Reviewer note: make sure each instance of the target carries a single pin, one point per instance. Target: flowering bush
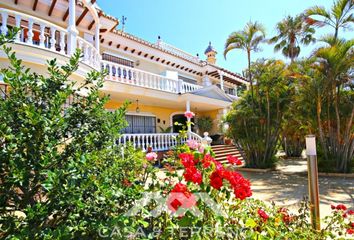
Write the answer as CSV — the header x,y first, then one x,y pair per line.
x,y
234,215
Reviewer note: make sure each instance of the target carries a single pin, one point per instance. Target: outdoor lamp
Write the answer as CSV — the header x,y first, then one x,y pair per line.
x,y
313,181
310,145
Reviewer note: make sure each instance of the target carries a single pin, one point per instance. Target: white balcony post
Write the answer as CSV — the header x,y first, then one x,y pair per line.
x,y
221,80
30,31
42,35
3,28
97,37
52,38
62,42
189,127
18,25
72,31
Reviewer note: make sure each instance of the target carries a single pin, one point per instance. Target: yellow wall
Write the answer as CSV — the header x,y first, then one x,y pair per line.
x,y
161,113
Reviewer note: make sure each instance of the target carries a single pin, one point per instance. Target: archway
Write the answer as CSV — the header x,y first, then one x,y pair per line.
x,y
180,118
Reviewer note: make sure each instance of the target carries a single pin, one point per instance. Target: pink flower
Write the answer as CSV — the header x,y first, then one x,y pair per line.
x,y
189,114
263,215
151,156
192,144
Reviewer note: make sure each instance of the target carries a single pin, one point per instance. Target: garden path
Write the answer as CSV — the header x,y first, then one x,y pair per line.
x,y
287,186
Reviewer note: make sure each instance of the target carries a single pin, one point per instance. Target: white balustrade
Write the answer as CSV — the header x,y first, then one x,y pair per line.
x,y
34,31
194,136
178,52
157,141
46,35
133,76
90,54
189,87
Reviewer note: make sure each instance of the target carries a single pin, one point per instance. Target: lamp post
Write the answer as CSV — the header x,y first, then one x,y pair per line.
x,y
313,181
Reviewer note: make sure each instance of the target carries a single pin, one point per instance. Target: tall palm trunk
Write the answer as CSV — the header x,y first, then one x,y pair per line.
x,y
249,71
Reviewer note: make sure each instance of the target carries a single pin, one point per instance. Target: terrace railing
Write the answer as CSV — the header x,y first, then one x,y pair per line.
x,y
157,141
40,33
133,76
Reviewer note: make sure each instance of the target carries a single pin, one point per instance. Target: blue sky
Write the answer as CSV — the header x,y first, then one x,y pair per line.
x,y
191,24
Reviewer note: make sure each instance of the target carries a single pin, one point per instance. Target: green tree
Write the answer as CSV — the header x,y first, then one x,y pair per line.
x,y
256,129
62,175
291,32
248,40
335,64
339,16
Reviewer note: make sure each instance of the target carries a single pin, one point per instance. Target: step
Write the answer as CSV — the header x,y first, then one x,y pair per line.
x,y
222,146
225,154
230,151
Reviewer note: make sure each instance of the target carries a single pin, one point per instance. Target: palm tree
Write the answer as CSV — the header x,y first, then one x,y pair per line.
x,y
339,16
248,40
291,33
335,62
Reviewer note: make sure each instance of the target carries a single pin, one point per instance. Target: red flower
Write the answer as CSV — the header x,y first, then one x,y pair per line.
x,y
341,207
193,175
187,159
351,224
234,160
216,180
263,214
180,196
207,159
344,215
350,212
333,207
350,231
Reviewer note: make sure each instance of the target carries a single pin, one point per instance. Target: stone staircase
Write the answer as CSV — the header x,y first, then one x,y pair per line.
x,y
222,151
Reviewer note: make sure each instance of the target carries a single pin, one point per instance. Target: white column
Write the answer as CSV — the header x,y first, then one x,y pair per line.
x,y
221,80
42,35
206,81
97,37
72,31
30,32
188,108
3,28
18,25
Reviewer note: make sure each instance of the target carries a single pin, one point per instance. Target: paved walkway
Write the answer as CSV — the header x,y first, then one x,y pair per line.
x,y
288,186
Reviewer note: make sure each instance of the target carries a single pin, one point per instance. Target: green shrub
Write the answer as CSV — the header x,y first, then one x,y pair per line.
x,y
204,124
62,175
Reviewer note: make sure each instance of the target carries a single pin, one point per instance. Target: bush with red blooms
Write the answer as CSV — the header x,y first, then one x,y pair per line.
x,y
191,171
199,166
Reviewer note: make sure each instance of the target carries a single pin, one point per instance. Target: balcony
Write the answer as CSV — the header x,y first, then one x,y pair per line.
x,y
38,33
136,77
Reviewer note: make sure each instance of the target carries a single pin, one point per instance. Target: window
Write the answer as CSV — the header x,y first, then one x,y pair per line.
x,y
140,124
118,60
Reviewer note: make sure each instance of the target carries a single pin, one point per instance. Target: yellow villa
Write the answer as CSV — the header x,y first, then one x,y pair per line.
x,y
160,80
